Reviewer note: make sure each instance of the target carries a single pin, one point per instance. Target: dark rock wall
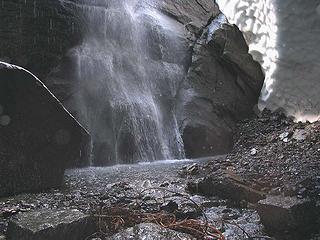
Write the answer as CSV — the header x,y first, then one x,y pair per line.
x,y
35,34
38,137
221,80
222,83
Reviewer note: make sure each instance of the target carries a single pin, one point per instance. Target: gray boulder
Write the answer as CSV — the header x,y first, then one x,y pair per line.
x,y
282,215
51,225
222,86
38,137
228,187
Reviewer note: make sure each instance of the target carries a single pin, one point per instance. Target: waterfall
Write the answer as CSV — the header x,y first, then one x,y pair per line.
x,y
127,80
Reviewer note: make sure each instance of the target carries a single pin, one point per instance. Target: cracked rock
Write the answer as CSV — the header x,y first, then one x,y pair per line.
x,y
51,225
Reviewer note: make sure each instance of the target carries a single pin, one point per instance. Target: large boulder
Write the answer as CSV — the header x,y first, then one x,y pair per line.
x,y
38,137
222,86
226,186
282,215
51,225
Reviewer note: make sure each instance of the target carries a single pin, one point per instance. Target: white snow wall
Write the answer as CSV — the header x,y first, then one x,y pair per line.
x,y
284,36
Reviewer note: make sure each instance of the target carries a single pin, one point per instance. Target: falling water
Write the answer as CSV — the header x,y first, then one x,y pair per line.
x,y
127,82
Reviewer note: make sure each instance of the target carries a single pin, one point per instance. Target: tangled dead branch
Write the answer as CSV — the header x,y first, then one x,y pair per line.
x,y
112,219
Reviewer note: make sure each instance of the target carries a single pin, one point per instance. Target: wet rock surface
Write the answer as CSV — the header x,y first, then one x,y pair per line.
x,y
150,231
38,137
280,214
37,34
222,85
227,187
87,189
51,225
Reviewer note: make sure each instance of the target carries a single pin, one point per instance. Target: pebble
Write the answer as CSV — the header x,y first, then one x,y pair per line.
x,y
253,151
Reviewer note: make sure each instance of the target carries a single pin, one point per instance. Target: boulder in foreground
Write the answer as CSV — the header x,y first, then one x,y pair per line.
x,y
38,137
51,225
281,215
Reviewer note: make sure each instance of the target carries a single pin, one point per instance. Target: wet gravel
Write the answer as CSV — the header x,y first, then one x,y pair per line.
x,y
85,189
278,155
275,156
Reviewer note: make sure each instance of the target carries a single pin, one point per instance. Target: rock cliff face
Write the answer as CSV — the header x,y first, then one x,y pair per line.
x,y
204,61
38,137
221,87
222,83
36,34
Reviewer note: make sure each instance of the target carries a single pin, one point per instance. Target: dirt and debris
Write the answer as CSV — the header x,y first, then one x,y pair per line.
x,y
272,156
287,155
